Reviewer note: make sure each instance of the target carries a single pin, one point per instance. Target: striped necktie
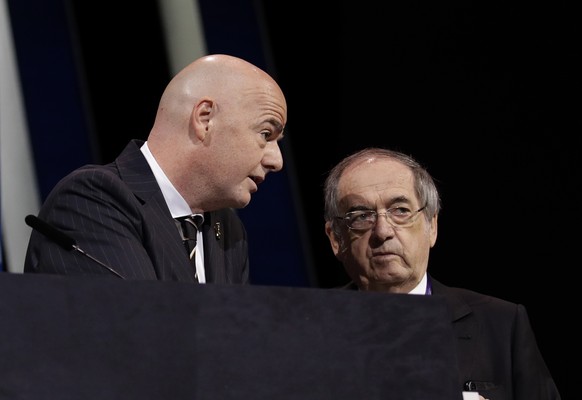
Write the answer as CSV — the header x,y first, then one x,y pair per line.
x,y
190,225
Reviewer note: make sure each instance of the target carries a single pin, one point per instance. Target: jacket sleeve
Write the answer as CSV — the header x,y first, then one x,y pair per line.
x,y
532,378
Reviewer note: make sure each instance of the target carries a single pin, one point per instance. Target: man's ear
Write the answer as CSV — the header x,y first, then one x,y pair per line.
x,y
201,116
333,240
433,230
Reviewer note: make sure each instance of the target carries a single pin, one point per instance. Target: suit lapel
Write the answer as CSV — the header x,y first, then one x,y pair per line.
x,y
465,328
135,171
137,174
214,252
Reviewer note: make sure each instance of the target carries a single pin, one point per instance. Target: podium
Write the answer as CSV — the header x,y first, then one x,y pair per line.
x,y
85,338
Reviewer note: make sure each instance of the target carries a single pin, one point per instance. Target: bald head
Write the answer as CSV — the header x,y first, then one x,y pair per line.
x,y
218,71
217,115
220,77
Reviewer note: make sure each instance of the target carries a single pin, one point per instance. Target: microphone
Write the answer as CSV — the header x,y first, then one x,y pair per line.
x,y
62,239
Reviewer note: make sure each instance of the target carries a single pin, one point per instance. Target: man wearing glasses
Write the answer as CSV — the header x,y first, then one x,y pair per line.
x,y
381,212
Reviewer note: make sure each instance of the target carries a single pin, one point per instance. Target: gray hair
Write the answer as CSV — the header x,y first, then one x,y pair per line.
x,y
424,185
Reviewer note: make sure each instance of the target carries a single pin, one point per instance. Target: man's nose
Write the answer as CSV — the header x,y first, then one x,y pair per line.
x,y
273,159
384,227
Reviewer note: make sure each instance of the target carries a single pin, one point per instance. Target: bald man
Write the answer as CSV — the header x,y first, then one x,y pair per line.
x,y
214,140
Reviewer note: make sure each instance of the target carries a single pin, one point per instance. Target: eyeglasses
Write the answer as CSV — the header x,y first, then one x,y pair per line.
x,y
362,220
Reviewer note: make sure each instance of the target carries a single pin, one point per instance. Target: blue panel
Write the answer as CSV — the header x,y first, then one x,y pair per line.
x,y
50,87
275,244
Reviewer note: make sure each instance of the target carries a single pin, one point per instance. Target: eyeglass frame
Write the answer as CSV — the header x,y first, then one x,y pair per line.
x,y
390,211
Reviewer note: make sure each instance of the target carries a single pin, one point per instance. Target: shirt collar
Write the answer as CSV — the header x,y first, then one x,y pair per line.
x,y
421,287
176,203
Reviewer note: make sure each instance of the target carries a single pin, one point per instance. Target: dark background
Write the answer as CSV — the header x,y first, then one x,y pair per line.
x,y
485,95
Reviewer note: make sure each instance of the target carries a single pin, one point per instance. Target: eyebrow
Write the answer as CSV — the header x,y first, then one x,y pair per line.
x,y
400,199
359,207
278,126
397,199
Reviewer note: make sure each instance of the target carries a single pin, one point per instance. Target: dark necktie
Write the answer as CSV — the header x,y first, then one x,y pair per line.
x,y
190,226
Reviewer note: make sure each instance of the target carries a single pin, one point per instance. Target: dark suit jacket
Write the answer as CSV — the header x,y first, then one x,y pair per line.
x,y
496,348
118,215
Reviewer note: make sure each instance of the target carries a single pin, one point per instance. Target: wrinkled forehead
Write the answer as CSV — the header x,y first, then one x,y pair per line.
x,y
377,178
262,96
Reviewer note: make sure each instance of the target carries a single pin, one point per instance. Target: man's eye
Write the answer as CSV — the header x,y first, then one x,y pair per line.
x,y
400,211
363,216
267,134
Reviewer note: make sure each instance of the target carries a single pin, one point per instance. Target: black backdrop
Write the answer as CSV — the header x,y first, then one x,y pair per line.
x,y
486,96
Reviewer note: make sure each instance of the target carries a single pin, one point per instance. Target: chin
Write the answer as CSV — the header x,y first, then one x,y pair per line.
x,y
390,276
242,202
